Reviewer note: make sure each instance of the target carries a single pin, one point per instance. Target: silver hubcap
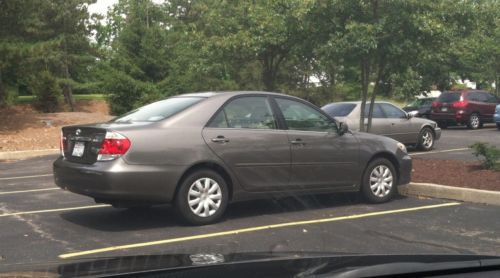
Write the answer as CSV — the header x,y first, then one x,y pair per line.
x,y
427,139
474,120
381,180
204,197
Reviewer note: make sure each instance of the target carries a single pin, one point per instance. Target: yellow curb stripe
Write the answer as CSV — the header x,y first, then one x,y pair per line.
x,y
250,229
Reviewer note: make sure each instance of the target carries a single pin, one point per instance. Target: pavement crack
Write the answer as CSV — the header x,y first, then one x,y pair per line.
x,y
398,238
37,229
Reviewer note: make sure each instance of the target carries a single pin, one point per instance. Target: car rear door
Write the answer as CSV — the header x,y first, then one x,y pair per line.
x,y
245,135
401,128
490,103
320,156
380,124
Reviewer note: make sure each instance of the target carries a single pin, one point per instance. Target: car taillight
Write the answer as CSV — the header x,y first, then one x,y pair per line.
x,y
114,145
435,104
460,104
62,143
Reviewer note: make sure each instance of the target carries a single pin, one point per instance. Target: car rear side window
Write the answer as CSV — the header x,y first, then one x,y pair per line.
x,y
245,112
159,110
339,109
392,111
449,97
377,111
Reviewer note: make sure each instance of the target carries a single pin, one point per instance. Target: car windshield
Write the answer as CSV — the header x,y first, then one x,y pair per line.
x,y
159,110
449,97
339,109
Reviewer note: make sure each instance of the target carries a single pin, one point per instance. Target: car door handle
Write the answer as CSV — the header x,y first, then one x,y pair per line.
x,y
220,139
297,141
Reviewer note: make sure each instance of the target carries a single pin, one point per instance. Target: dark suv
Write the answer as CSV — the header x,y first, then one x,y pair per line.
x,y
467,107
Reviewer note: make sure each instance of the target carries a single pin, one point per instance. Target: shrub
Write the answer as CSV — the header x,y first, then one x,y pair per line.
x,y
47,92
490,154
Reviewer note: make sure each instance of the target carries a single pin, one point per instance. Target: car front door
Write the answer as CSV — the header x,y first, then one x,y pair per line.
x,y
401,128
320,156
245,135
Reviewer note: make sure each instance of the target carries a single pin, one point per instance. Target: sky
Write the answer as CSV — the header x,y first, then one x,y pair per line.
x,y
101,6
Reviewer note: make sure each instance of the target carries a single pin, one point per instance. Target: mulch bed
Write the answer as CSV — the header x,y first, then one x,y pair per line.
x,y
455,173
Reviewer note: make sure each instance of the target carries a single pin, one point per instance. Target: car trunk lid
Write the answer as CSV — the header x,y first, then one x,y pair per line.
x,y
81,144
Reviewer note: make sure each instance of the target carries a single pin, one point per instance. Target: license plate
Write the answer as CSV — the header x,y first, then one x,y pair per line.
x,y
78,149
444,109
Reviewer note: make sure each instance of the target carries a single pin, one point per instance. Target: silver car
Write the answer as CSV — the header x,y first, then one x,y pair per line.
x,y
388,120
201,151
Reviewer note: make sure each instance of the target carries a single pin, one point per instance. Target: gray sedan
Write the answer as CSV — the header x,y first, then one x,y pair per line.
x,y
388,120
201,151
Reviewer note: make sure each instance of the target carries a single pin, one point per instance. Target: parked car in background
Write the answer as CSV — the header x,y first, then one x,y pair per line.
x,y
420,107
466,107
388,120
496,117
201,151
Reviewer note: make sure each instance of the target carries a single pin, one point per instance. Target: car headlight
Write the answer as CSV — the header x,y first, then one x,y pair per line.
x,y
402,147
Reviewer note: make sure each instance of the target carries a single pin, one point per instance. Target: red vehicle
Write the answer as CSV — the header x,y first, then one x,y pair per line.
x,y
466,107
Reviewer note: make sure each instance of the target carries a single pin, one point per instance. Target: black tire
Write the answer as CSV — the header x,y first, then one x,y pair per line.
x,y
366,190
443,125
426,139
181,203
474,121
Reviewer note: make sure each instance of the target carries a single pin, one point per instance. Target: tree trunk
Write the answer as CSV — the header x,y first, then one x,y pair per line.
x,y
381,66
3,93
365,73
67,90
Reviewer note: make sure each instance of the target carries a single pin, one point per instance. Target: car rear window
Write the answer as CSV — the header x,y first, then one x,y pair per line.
x,y
159,110
449,97
338,109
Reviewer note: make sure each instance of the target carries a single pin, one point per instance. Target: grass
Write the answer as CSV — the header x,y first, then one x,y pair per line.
x,y
31,99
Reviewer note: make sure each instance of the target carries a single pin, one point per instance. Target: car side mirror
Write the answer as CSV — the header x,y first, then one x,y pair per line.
x,y
411,114
343,128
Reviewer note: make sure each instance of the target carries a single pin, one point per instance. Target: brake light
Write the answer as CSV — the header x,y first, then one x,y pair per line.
x,y
460,104
62,143
435,104
113,146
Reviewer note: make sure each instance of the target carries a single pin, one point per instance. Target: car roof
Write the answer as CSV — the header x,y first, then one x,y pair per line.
x,y
232,93
359,102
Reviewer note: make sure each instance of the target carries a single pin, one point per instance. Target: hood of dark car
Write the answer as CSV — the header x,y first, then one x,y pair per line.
x,y
285,263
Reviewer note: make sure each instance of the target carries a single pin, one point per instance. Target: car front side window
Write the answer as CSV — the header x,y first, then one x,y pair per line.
x,y
245,112
299,116
392,111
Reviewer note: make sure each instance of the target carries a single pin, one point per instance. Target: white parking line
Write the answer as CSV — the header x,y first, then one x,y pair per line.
x,y
26,191
25,177
443,151
52,210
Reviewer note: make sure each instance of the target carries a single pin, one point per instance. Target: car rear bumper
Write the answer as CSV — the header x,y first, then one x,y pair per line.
x,y
116,181
405,167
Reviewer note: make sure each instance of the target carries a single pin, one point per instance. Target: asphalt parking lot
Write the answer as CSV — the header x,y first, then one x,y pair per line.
x,y
455,141
40,223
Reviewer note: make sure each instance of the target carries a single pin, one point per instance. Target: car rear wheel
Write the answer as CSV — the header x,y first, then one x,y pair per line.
x,y
425,139
202,197
379,181
474,121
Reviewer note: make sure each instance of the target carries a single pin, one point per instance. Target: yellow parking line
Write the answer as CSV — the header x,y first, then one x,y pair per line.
x,y
51,210
250,229
31,190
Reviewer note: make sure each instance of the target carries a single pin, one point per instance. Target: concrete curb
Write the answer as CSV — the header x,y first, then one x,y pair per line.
x,y
451,192
26,154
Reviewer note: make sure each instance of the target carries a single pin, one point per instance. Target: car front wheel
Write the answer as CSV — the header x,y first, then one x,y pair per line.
x,y
425,139
202,197
379,181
